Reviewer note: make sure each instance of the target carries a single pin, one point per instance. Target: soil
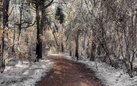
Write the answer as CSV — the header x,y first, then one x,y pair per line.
x,y
69,73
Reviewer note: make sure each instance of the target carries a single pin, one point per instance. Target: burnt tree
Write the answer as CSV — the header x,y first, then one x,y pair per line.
x,y
5,25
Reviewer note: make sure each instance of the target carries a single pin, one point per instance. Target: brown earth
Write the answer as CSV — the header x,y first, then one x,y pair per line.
x,y
69,73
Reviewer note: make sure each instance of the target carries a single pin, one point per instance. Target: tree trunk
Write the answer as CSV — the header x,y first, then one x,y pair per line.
x,y
13,41
93,48
20,19
5,24
77,45
84,45
13,34
5,13
70,52
62,47
39,42
1,29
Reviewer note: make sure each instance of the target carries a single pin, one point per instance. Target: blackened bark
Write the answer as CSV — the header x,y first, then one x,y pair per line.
x,y
5,13
40,26
5,24
70,53
13,41
62,47
93,48
20,19
39,43
77,45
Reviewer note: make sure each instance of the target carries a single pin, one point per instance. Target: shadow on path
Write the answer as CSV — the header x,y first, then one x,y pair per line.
x,y
69,73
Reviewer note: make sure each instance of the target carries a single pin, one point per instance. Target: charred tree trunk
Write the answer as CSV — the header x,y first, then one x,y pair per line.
x,y
88,48
62,47
20,24
1,29
5,13
5,24
40,26
39,42
13,41
93,47
70,52
13,34
77,45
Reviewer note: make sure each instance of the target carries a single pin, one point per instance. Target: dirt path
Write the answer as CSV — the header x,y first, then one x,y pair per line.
x,y
69,73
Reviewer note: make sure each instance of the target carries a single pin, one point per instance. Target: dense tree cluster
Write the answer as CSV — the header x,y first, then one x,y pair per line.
x,y
91,29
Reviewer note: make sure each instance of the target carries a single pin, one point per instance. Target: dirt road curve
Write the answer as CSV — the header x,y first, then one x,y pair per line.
x,y
69,73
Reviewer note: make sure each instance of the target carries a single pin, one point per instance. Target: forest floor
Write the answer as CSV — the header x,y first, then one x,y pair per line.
x,y
24,74
60,70
69,73
109,75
